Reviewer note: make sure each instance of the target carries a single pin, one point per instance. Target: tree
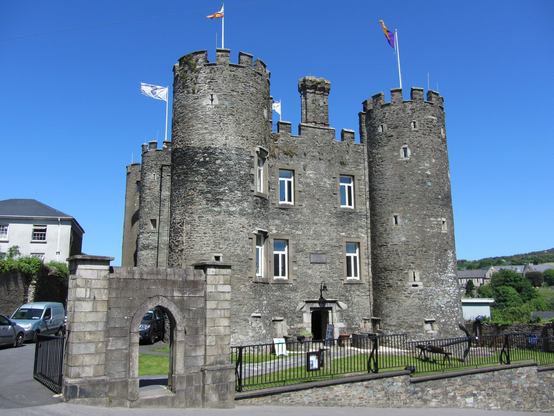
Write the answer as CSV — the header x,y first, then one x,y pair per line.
x,y
506,296
536,278
514,280
13,253
470,287
549,277
485,291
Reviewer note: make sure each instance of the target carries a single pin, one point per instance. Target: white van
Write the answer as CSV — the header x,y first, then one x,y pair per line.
x,y
45,318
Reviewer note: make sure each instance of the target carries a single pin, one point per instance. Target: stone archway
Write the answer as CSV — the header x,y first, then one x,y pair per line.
x,y
176,325
105,308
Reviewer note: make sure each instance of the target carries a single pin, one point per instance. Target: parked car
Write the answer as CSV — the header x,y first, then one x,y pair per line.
x,y
152,326
46,318
10,332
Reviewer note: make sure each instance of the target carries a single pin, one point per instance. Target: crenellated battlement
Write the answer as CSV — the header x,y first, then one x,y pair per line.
x,y
195,60
416,96
153,145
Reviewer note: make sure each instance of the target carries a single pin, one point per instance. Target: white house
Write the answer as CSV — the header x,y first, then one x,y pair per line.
x,y
39,230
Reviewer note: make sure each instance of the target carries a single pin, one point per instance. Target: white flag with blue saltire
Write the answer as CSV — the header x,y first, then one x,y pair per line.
x,y
277,107
154,91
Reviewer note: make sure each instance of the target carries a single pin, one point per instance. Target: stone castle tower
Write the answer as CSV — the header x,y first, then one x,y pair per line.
x,y
317,231
412,226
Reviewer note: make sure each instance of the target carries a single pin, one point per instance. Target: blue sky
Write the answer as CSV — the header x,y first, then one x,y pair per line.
x,y
72,116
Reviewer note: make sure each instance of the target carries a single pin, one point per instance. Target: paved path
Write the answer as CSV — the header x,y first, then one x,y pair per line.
x,y
65,409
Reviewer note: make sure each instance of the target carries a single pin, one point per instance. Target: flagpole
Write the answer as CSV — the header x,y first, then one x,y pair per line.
x,y
223,32
398,56
166,111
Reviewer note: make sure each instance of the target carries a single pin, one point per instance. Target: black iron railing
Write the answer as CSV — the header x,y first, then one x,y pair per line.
x,y
48,368
267,365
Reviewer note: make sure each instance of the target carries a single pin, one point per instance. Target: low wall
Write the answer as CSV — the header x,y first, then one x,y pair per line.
x,y
509,388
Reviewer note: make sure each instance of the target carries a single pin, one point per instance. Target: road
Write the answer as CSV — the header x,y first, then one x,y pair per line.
x,y
18,388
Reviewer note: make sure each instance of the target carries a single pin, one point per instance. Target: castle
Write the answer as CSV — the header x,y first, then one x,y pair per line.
x,y
317,231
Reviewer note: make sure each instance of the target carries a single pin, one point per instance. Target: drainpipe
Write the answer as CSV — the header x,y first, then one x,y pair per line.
x,y
58,244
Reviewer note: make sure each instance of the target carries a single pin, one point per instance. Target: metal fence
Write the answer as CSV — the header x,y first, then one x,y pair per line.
x,y
48,368
268,365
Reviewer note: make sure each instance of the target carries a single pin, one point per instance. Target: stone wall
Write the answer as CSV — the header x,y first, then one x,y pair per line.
x,y
105,309
14,289
512,389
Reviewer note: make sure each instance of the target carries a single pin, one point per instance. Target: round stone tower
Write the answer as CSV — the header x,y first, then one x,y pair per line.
x,y
221,115
415,289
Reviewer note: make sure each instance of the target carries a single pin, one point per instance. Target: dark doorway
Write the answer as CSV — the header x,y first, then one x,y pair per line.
x,y
320,319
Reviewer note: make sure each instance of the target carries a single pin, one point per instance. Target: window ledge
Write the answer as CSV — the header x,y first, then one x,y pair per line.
x,y
286,206
261,195
38,241
281,281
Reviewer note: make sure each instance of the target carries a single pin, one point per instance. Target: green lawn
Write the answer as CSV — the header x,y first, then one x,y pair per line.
x,y
153,365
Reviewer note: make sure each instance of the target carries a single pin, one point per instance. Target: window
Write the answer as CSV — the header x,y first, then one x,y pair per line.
x,y
4,231
405,152
260,256
347,192
280,259
395,219
353,261
286,186
153,224
39,256
39,233
260,174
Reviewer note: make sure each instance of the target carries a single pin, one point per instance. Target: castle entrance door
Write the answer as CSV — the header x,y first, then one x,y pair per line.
x,y
320,320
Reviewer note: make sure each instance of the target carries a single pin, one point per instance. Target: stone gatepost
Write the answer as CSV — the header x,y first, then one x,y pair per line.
x,y
87,310
217,373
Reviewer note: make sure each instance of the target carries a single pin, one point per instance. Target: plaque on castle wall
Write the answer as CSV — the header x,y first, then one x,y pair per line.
x,y
318,258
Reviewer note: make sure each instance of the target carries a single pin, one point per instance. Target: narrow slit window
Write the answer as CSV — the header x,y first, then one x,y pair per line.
x,y
395,219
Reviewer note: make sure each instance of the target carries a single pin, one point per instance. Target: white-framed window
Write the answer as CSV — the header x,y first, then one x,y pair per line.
x,y
353,261
280,259
4,231
39,256
39,233
286,187
346,191
260,255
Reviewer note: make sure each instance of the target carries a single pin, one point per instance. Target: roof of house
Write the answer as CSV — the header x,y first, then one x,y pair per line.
x,y
541,267
516,268
544,315
469,274
31,208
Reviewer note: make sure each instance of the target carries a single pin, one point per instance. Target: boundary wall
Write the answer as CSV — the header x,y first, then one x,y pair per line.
x,y
105,308
516,387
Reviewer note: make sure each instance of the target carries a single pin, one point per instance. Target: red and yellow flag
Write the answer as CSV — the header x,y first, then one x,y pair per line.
x,y
218,14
